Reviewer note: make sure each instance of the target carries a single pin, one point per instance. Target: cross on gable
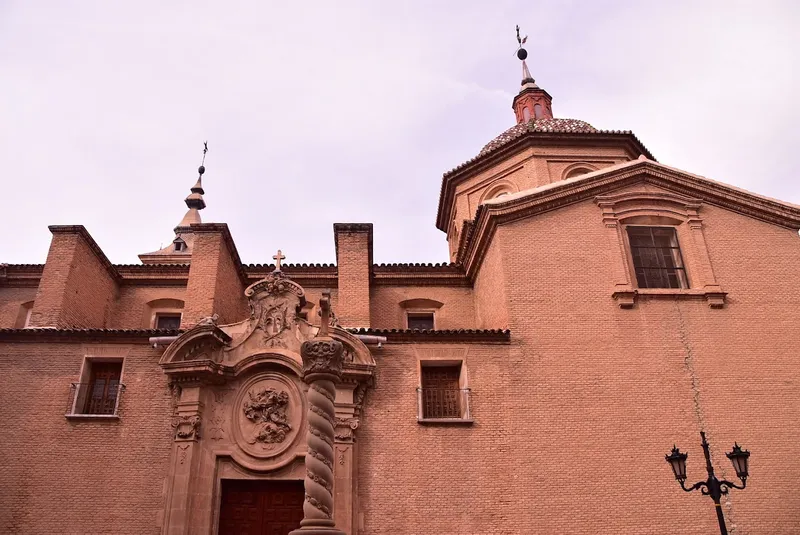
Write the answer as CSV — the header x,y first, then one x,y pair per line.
x,y
277,258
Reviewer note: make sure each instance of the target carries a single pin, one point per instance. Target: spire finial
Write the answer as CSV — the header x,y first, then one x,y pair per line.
x,y
202,168
522,54
195,200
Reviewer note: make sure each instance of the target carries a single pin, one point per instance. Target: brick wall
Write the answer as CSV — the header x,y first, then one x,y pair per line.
x,y
353,262
214,285
77,288
131,310
11,301
573,419
457,311
491,306
79,477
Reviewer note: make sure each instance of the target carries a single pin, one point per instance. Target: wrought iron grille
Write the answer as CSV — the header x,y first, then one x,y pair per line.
x,y
443,403
95,398
657,257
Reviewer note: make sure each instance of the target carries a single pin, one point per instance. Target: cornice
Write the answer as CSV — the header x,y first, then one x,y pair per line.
x,y
490,215
20,275
46,334
419,275
306,275
527,140
449,335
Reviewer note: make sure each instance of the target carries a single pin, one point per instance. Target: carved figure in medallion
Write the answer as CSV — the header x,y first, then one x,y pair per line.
x,y
267,409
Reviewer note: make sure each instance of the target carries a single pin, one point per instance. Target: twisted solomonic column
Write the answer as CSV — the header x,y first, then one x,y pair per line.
x,y
322,365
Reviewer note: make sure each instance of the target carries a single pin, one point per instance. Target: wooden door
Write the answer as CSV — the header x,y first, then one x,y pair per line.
x,y
260,507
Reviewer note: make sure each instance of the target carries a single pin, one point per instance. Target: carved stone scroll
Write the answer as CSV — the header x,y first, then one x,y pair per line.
x,y
187,427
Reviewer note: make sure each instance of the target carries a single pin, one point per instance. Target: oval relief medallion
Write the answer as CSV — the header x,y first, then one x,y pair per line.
x,y
268,415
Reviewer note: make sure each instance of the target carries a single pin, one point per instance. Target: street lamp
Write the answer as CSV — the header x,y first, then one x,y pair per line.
x,y
712,486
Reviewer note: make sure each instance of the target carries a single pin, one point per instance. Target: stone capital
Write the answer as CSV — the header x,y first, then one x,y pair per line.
x,y
322,356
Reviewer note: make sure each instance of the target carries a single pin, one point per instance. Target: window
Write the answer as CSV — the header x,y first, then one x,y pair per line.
x,y
98,393
657,258
422,321
168,320
441,392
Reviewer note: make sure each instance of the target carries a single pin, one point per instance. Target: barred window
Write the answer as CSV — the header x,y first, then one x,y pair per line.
x,y
441,394
103,388
657,258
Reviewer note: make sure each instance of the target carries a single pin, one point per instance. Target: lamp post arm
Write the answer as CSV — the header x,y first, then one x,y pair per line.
x,y
727,485
703,485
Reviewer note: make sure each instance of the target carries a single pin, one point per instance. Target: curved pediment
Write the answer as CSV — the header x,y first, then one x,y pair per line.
x,y
269,338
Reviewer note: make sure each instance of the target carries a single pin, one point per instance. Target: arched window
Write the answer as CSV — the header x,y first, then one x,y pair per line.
x,y
526,114
577,171
537,111
163,314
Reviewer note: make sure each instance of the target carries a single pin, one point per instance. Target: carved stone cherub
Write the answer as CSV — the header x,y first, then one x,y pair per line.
x,y
209,320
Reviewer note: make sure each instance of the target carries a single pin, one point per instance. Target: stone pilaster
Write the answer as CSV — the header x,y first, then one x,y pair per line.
x,y
322,366
185,459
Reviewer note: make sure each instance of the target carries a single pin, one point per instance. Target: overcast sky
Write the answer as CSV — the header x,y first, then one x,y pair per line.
x,y
323,112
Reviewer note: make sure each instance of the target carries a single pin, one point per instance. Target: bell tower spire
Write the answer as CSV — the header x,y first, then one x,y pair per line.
x,y
195,200
532,102
180,250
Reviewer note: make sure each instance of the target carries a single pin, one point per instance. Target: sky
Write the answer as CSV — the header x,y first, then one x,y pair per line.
x,y
324,112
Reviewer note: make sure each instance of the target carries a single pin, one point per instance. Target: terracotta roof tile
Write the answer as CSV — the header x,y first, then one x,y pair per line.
x,y
416,335
559,126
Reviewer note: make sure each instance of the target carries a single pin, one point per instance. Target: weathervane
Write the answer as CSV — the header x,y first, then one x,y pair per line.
x,y
521,52
202,168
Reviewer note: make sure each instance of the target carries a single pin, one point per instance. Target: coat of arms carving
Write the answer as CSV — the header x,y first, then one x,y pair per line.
x,y
266,408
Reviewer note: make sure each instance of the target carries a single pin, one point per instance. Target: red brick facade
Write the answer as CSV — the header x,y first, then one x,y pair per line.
x,y
574,379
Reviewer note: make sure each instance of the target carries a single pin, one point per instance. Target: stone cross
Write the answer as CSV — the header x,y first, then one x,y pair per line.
x,y
277,258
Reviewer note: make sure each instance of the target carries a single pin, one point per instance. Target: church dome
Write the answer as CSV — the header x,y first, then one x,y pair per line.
x,y
546,125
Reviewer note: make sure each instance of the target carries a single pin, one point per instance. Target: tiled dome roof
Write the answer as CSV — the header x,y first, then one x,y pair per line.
x,y
571,126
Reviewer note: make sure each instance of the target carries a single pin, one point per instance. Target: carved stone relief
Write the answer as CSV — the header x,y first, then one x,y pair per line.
x,y
267,415
216,421
345,428
266,407
187,427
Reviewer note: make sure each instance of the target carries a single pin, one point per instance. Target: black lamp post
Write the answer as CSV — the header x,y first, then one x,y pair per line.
x,y
712,486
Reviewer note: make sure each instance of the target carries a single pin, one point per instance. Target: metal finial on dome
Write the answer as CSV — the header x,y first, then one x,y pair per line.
x,y
522,54
202,168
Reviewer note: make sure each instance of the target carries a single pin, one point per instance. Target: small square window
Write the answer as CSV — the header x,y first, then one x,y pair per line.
x,y
443,396
99,393
421,321
657,260
169,321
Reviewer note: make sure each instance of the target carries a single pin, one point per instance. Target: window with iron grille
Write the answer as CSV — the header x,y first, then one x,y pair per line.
x,y
657,258
168,321
101,391
441,392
